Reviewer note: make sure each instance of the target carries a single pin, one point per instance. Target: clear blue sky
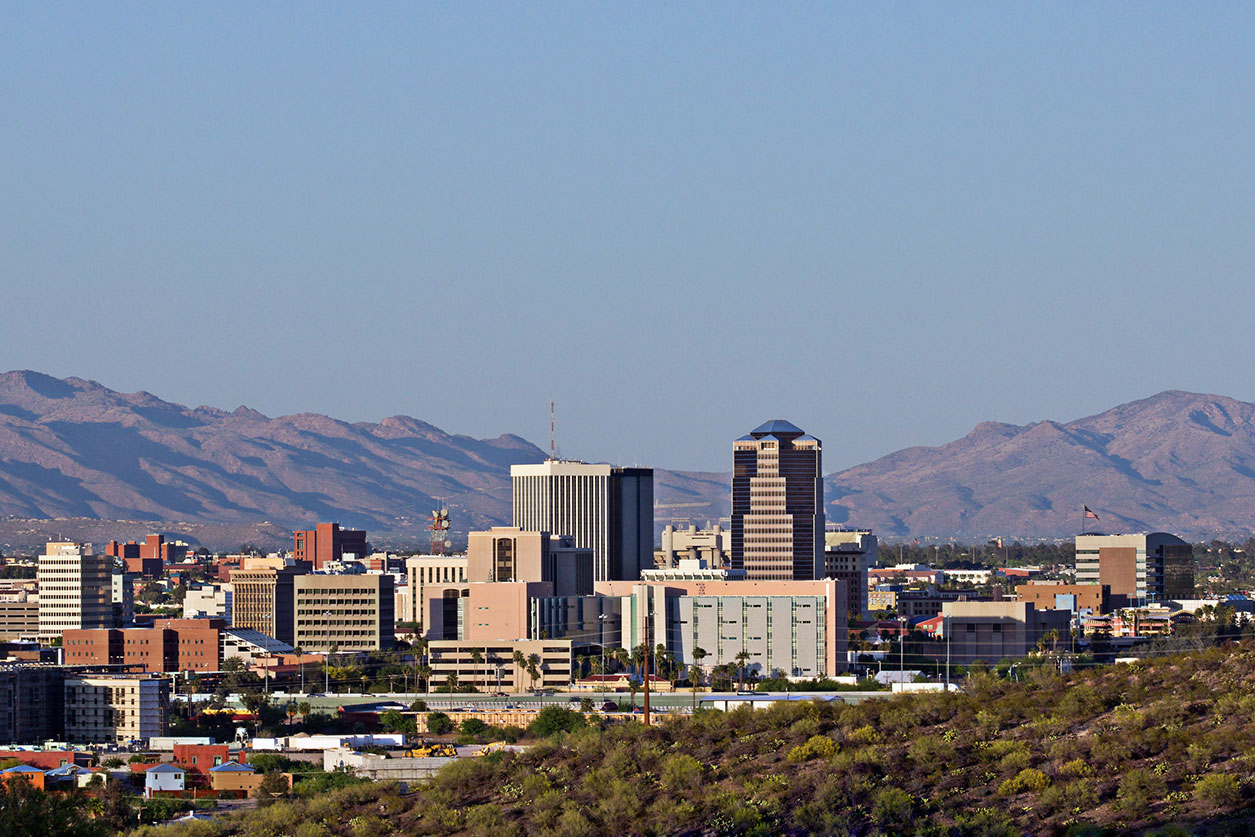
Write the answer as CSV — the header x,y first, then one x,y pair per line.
x,y
883,222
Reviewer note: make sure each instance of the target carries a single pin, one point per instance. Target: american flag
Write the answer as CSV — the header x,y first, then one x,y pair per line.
x,y
1089,514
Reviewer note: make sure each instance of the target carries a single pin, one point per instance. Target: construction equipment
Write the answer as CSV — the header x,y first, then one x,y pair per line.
x,y
490,747
431,749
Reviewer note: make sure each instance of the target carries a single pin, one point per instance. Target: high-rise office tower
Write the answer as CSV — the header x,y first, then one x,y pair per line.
x,y
75,589
606,509
778,504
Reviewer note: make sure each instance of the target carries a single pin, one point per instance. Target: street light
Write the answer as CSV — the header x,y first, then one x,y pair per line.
x,y
601,637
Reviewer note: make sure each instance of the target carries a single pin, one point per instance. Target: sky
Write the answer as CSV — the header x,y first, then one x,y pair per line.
x,y
883,222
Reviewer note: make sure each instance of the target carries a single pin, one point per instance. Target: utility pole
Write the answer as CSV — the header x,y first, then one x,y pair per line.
x,y
946,630
648,653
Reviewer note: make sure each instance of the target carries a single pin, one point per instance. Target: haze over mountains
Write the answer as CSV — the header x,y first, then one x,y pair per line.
x,y
75,449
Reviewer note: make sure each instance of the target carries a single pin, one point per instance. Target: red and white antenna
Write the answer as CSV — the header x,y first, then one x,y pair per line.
x,y
553,448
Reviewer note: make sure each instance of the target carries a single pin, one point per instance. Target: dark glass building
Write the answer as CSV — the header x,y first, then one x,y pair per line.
x,y
778,504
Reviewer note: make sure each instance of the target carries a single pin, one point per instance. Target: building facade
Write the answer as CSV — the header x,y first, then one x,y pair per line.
x,y
264,600
32,704
75,589
993,631
850,554
712,546
606,509
327,543
1139,569
496,666
424,570
115,709
344,612
778,504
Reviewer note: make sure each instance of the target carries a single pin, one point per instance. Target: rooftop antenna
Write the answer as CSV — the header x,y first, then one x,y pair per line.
x,y
552,446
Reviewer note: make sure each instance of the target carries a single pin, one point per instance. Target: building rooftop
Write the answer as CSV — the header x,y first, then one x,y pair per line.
x,y
776,427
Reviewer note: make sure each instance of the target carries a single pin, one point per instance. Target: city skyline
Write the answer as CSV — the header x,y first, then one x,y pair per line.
x,y
360,213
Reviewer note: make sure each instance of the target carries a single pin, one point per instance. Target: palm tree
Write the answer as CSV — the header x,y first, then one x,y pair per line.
x,y
424,671
742,658
520,665
620,656
533,668
419,650
695,680
477,657
699,654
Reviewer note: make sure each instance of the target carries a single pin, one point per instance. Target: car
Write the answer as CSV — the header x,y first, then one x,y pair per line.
x,y
501,694
610,706
575,700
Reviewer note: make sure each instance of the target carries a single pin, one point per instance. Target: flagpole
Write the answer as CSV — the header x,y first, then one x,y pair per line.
x,y
1083,519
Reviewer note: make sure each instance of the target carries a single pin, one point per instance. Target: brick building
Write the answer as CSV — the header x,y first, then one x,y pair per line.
x,y
327,542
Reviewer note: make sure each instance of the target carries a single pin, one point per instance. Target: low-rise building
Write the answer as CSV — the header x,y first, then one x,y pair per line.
x,y
114,709
344,612
209,600
850,554
164,778
494,666
992,631
1078,598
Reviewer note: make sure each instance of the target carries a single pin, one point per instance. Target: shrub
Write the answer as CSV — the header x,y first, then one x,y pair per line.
x,y
893,807
473,726
1138,790
816,747
1219,789
681,772
1027,780
1078,768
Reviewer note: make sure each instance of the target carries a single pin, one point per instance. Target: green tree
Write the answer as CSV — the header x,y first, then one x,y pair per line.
x,y
272,786
555,719
439,723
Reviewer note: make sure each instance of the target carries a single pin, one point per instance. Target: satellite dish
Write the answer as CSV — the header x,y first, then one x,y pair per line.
x,y
448,543
444,512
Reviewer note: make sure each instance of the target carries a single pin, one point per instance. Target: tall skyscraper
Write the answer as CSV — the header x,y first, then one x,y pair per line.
x,y
75,589
606,509
778,504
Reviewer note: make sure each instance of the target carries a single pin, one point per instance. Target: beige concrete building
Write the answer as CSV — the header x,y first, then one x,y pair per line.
x,y
75,589
992,631
797,627
114,709
422,571
507,553
499,671
263,600
850,554
713,546
19,618
344,612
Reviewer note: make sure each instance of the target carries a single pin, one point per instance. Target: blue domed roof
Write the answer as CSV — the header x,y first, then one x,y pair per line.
x,y
779,428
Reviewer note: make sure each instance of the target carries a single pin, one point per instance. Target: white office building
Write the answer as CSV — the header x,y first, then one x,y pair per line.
x,y
606,509
75,589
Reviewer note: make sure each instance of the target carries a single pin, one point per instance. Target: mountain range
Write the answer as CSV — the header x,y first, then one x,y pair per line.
x,y
75,454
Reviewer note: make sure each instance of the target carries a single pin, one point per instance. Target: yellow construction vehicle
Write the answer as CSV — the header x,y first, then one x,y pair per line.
x,y
432,749
491,747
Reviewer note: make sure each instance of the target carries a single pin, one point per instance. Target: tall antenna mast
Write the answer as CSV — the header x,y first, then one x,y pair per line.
x,y
552,445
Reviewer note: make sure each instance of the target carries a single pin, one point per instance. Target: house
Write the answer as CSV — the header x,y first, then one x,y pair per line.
x,y
70,775
201,758
24,771
233,776
164,778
